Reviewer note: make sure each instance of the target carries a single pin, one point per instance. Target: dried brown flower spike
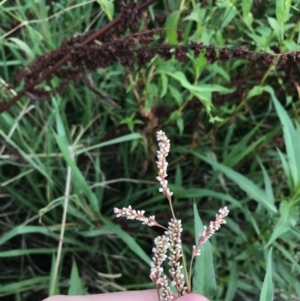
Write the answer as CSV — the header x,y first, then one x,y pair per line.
x,y
171,241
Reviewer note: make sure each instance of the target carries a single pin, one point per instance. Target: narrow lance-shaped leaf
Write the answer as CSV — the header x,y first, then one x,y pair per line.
x,y
268,183
54,279
204,281
292,143
248,186
288,219
267,292
171,27
75,281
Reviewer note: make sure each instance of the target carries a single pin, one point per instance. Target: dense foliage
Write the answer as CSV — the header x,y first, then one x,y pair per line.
x,y
216,76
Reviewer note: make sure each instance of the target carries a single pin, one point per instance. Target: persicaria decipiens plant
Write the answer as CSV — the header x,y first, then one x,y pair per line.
x,y
169,246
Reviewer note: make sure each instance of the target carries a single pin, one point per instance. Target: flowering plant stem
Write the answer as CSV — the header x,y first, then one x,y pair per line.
x,y
171,240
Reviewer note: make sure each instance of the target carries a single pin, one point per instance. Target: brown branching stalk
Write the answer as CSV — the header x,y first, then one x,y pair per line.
x,y
78,56
129,15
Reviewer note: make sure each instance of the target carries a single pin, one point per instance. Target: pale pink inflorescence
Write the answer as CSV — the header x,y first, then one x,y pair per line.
x,y
162,164
171,241
136,214
208,232
161,246
164,291
174,233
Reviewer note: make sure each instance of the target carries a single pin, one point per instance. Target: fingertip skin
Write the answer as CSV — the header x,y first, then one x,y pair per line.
x,y
147,295
192,297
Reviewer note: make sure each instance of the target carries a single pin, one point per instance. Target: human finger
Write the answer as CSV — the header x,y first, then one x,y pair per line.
x,y
147,295
192,297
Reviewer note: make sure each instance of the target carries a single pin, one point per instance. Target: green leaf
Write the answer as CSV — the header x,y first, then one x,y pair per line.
x,y
246,7
276,27
202,92
283,11
242,148
24,285
180,76
268,184
49,232
176,116
256,90
204,281
292,144
229,14
121,139
152,94
22,230
267,292
24,47
171,26
78,176
196,15
176,95
178,177
232,281
30,157
53,288
26,252
180,124
130,241
192,193
108,7
164,83
286,168
75,281
244,183
288,218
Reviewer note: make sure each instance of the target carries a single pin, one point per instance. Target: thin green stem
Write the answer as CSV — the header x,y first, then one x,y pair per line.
x,y
190,276
171,207
63,223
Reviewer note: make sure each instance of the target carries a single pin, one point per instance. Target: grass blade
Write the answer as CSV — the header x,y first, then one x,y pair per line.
x,y
75,281
268,183
204,281
244,183
292,143
267,292
288,219
130,241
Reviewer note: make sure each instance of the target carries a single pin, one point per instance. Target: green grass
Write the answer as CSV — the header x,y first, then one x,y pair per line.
x,y
245,161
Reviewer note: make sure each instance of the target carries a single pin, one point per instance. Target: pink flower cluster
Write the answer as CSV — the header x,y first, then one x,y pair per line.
x,y
164,292
171,241
161,246
162,164
208,232
174,233
136,214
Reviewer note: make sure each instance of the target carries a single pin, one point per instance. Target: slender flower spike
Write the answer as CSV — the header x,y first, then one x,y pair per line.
x,y
164,292
136,214
161,246
208,232
162,164
174,233
169,245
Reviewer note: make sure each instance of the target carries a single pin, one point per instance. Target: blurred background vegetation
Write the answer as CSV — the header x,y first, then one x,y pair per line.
x,y
215,114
